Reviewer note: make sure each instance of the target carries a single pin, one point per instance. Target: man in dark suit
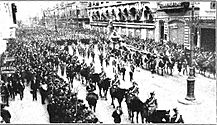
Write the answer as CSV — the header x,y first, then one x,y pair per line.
x,y
34,88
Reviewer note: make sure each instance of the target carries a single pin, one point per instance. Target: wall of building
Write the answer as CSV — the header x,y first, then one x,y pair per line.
x,y
6,21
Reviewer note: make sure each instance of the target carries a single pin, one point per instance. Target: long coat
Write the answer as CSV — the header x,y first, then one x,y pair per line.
x,y
116,116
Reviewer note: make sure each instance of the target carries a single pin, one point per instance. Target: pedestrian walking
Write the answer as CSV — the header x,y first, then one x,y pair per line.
x,y
62,67
114,65
93,56
43,91
123,70
21,88
132,68
101,59
34,88
185,65
179,66
117,114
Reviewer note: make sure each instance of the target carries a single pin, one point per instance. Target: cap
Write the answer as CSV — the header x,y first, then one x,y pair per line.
x,y
152,93
175,109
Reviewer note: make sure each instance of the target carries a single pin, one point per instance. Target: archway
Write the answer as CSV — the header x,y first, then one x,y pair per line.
x,y
133,13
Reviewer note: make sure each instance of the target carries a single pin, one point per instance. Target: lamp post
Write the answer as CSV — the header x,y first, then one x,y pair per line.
x,y
190,98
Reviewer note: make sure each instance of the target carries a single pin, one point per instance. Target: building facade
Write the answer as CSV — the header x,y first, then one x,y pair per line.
x,y
127,18
67,14
7,26
174,22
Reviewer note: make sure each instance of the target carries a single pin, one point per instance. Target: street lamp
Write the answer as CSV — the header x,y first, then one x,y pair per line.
x,y
190,98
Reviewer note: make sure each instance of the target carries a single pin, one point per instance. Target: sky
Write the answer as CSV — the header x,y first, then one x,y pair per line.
x,y
26,9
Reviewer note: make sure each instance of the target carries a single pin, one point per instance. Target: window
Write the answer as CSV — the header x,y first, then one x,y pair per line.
x,y
213,5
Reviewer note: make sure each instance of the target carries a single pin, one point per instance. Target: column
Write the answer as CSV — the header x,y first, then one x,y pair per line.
x,y
198,37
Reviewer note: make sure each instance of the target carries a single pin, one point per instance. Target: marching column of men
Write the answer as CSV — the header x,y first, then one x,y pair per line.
x,y
42,62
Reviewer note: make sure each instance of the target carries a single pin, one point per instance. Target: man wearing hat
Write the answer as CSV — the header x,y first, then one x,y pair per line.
x,y
176,118
134,90
151,103
103,74
116,81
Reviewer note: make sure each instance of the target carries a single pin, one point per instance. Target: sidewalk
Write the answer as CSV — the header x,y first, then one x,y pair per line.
x,y
27,111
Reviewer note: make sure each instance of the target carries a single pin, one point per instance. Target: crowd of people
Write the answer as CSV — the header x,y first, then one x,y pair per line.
x,y
202,60
39,53
37,59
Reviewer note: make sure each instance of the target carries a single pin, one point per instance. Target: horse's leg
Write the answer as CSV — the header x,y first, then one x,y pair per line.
x,y
100,92
94,108
157,70
129,113
137,117
171,71
132,116
113,102
162,71
105,94
119,101
142,116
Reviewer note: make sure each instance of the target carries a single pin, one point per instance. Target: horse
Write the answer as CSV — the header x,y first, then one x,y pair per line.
x,y
134,104
118,93
85,73
95,78
104,84
92,100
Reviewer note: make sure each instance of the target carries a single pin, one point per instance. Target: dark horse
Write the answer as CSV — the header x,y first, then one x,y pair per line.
x,y
134,104
95,78
85,73
104,85
118,93
92,100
